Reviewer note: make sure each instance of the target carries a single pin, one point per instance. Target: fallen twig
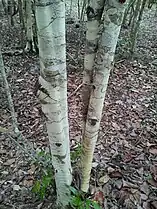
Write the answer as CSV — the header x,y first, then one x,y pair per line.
x,y
71,57
119,61
14,52
73,93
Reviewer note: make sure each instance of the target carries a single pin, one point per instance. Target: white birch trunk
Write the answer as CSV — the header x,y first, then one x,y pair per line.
x,y
113,16
50,18
94,14
29,34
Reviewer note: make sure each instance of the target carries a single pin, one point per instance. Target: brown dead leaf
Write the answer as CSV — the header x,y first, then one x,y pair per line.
x,y
128,157
129,197
115,126
32,170
118,183
28,183
116,174
99,197
153,149
110,170
153,204
145,188
153,170
152,182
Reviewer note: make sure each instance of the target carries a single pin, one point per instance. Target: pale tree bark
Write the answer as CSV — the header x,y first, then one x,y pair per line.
x,y
129,11
4,4
9,8
83,10
22,22
21,13
12,10
94,14
136,23
29,34
156,10
50,18
113,16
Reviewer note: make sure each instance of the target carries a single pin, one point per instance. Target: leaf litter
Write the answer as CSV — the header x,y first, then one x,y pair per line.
x,y
124,173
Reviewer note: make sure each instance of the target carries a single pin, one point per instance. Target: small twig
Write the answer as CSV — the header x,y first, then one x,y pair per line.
x,y
21,147
49,206
73,93
119,61
71,57
11,53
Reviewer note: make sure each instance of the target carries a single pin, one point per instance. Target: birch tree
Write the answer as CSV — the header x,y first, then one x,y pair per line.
x,y
94,15
140,5
103,62
29,33
50,18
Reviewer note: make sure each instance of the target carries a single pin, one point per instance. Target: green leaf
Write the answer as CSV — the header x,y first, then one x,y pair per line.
x,y
73,190
42,193
36,187
76,201
88,203
95,205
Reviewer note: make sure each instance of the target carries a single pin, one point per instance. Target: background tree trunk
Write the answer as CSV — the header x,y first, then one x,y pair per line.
x,y
134,30
134,26
29,34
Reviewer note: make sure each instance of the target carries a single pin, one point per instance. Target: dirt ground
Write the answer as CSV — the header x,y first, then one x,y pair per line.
x,y
125,160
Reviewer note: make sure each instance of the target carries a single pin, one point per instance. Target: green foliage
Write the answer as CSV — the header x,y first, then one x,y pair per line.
x,y
79,201
45,157
42,185
45,176
45,182
76,153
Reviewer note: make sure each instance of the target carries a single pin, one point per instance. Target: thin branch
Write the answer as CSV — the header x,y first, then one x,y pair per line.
x,y
9,98
22,148
71,57
73,93
32,152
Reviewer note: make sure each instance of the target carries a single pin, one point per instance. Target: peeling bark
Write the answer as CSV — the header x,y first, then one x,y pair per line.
x,y
113,16
50,18
94,14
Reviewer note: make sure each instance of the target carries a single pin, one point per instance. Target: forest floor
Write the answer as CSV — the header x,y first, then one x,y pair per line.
x,y
125,160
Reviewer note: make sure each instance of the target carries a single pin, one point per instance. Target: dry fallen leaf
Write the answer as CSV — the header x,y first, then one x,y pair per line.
x,y
153,204
99,197
145,188
116,174
28,183
32,170
104,179
9,161
4,172
153,170
118,183
153,150
16,187
152,182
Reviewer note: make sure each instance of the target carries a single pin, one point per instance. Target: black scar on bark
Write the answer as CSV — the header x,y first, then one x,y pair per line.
x,y
58,144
